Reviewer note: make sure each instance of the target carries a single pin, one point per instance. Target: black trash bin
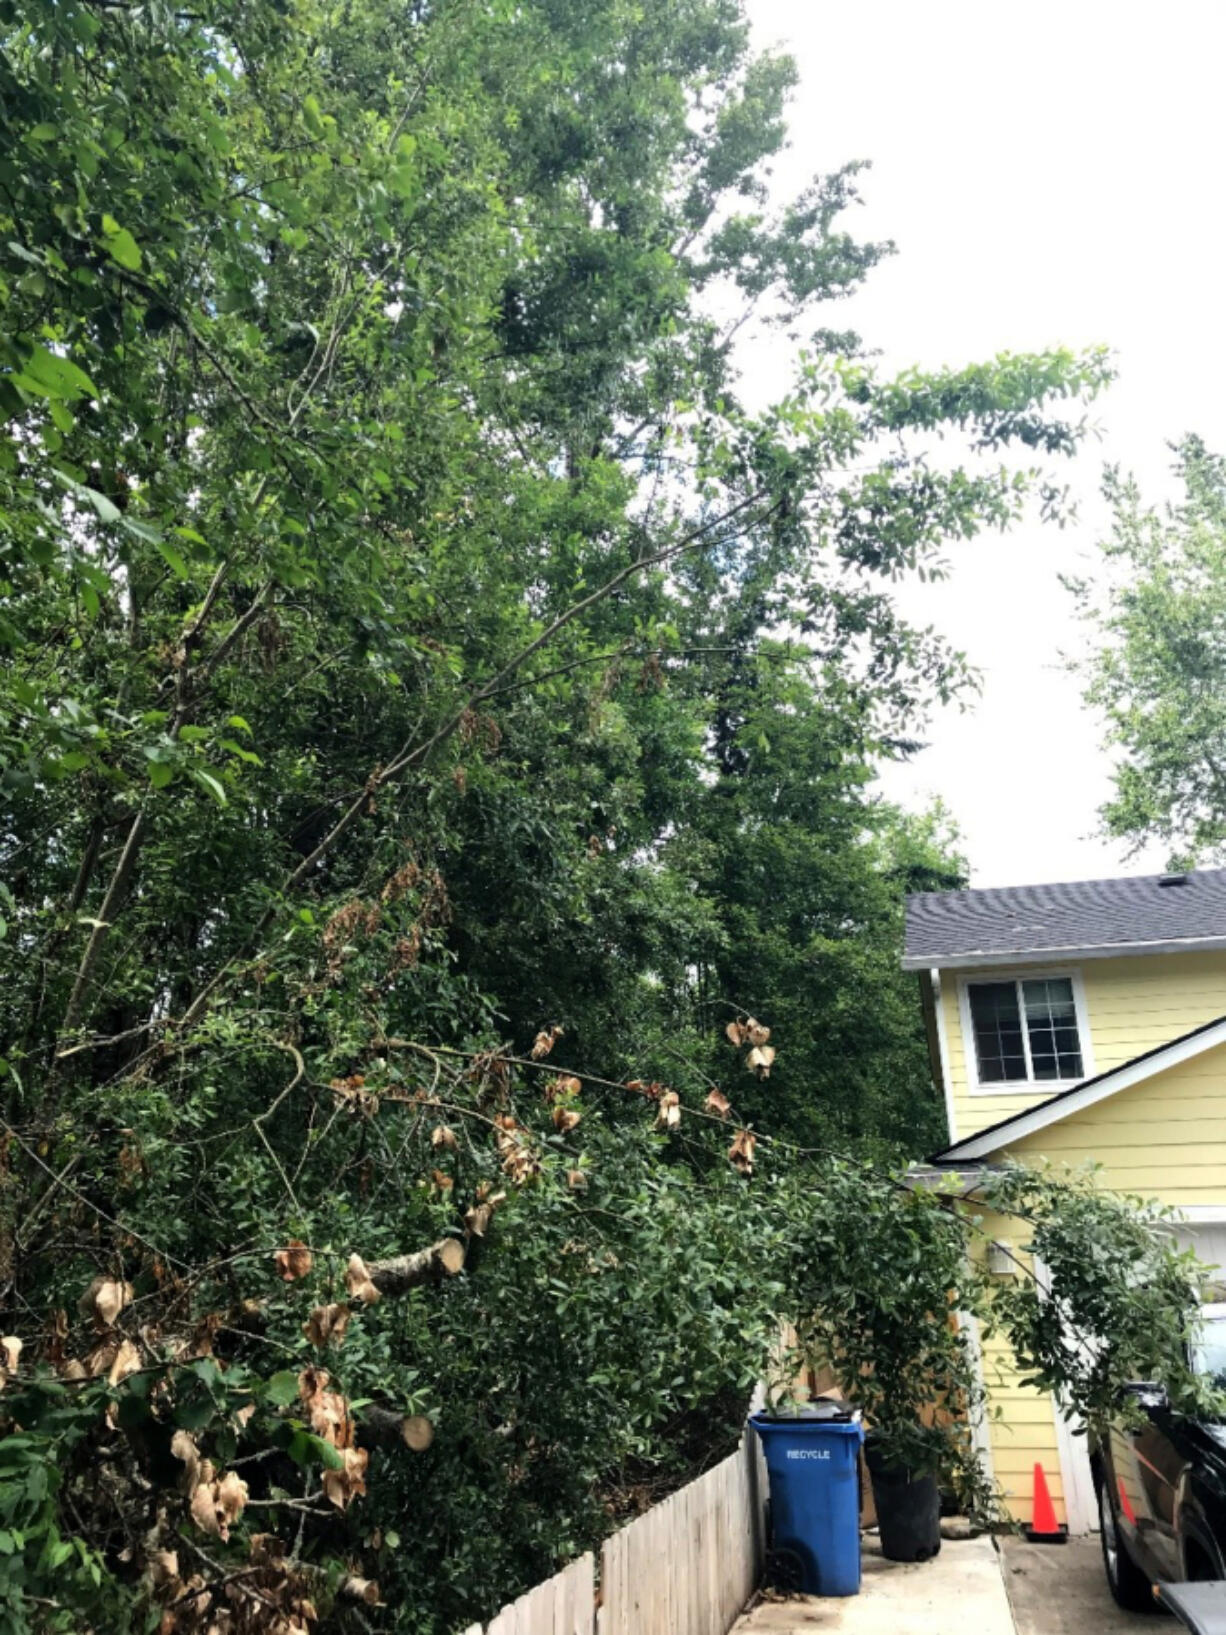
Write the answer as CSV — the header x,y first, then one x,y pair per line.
x,y
908,1505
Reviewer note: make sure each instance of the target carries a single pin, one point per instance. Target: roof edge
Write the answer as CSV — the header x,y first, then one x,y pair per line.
x,y
1027,956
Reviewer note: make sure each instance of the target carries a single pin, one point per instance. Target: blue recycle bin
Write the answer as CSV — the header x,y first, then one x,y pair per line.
x,y
813,1460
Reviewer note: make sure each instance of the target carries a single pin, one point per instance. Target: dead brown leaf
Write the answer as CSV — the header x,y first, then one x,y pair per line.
x,y
10,1357
327,1324
740,1153
341,1486
294,1261
230,1496
565,1119
125,1361
327,1410
100,1359
544,1042
518,1159
562,1089
183,1447
266,1549
200,1503
759,1060
104,1300
217,1501
669,1115
718,1103
163,1567
359,1589
358,1281
442,1135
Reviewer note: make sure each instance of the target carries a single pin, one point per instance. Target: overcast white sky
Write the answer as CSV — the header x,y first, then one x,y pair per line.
x,y
1052,175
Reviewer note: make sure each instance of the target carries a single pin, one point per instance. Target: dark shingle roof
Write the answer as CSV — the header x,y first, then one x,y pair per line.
x,y
960,927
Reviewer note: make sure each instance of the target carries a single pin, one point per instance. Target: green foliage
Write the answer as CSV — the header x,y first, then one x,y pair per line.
x,y
1121,1303
412,642
886,1270
1157,670
49,1578
807,872
887,1276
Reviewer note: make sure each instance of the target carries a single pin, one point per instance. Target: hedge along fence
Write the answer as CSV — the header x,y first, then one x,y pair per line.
x,y
685,1567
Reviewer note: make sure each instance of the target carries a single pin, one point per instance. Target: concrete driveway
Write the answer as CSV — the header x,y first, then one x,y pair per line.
x,y
978,1586
1061,1589
961,1590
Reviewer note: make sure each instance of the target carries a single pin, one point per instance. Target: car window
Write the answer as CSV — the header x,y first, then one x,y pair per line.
x,y
1209,1348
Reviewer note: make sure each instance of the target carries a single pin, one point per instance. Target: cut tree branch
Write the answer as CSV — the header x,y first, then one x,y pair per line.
x,y
383,1427
404,1272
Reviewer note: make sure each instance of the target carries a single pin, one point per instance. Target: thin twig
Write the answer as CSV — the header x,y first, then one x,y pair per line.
x,y
128,1231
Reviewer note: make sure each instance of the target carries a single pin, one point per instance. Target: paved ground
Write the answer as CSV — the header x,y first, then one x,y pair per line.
x,y
961,1590
1060,1589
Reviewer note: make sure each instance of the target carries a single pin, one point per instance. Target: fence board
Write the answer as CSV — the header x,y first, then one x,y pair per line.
x,y
563,1605
688,1566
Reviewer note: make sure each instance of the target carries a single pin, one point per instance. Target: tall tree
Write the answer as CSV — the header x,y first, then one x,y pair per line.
x,y
385,558
806,870
1156,669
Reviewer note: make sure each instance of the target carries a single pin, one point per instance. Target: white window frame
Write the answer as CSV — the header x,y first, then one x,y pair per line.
x,y
1028,1086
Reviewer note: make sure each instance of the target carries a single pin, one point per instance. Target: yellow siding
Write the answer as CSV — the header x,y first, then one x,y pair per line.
x,y
1134,1004
1164,1138
1025,1432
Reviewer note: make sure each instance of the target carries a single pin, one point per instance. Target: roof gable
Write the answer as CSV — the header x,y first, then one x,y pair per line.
x,y
974,1148
1147,914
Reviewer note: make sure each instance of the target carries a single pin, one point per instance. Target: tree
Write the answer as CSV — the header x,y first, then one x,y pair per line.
x,y
384,553
1157,670
806,870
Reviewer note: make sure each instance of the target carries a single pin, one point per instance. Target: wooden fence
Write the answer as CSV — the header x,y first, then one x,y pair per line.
x,y
689,1565
685,1567
563,1605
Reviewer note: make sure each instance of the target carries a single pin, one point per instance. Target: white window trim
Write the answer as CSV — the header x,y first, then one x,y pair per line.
x,y
1024,1087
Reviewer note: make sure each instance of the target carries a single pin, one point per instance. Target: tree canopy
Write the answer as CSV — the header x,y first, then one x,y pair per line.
x,y
1156,669
435,707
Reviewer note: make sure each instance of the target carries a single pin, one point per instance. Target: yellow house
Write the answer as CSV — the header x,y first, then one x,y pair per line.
x,y
1074,1022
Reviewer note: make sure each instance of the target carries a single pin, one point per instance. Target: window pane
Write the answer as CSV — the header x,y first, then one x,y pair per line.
x,y
1051,1022
997,1026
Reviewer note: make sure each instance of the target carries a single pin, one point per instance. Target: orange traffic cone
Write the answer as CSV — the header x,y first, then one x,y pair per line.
x,y
1044,1528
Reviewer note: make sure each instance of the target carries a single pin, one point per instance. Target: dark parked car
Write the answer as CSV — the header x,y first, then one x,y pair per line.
x,y
1162,1487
